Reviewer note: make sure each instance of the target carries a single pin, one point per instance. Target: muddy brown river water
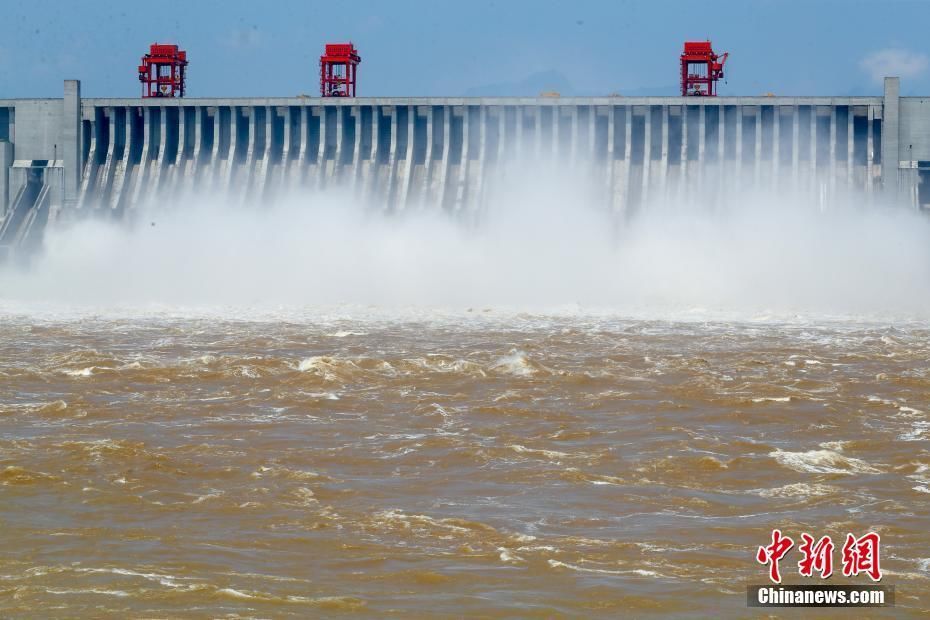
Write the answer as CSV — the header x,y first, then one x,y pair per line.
x,y
169,465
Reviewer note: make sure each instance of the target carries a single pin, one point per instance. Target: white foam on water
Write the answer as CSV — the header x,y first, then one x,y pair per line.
x,y
799,490
822,462
237,593
323,366
345,334
656,549
603,571
507,556
408,520
213,494
549,454
833,445
918,431
310,363
169,581
517,364
323,395
921,477
83,372
71,591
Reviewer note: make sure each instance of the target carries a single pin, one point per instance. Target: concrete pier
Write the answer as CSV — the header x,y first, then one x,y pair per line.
x,y
118,155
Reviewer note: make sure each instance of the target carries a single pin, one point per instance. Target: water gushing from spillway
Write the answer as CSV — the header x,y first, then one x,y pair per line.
x,y
542,241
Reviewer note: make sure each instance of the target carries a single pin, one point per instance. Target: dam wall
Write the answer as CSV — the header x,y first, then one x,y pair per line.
x,y
114,156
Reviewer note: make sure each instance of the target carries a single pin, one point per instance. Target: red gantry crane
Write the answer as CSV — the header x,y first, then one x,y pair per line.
x,y
162,71
701,68
338,70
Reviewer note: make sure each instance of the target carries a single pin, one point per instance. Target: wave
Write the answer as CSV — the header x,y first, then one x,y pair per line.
x,y
519,364
823,462
799,490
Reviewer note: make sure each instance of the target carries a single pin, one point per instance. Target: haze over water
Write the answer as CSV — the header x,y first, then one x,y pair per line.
x,y
309,408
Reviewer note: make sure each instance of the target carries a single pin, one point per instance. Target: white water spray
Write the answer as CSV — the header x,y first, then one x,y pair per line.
x,y
540,244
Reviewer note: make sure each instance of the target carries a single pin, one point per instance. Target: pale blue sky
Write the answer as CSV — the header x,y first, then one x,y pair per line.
x,y
516,47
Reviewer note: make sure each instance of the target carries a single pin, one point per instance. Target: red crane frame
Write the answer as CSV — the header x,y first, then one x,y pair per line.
x,y
339,70
701,68
162,71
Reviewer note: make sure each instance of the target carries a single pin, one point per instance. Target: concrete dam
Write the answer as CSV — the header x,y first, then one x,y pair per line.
x,y
63,158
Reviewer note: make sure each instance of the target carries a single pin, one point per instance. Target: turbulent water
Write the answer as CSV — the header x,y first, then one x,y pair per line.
x,y
164,464
309,409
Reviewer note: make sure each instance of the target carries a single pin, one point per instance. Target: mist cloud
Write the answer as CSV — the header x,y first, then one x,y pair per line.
x,y
539,244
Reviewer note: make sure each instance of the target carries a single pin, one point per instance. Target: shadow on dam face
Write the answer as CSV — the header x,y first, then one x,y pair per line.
x,y
541,241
